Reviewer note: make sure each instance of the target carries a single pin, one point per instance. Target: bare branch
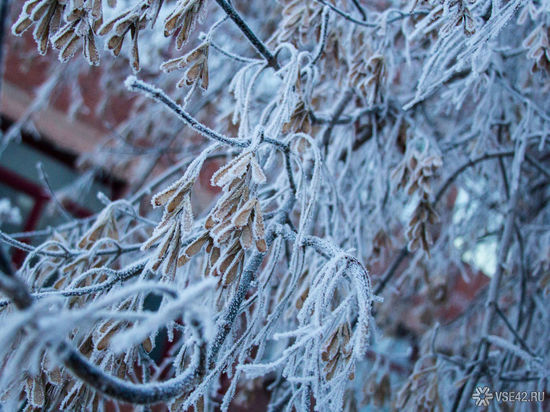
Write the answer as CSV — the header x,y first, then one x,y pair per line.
x,y
247,31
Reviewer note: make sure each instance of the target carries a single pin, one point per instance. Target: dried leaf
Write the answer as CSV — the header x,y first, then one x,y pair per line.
x,y
240,219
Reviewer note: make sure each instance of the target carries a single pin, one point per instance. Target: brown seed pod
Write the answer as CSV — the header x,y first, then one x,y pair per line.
x,y
195,64
184,17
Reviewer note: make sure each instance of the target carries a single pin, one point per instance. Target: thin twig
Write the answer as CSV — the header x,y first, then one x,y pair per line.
x,y
247,31
290,174
346,15
538,165
322,38
390,272
116,276
468,164
360,9
67,252
232,56
338,110
44,178
156,94
521,378
514,332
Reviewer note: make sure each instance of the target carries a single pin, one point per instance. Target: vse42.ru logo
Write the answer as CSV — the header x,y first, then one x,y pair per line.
x,y
483,396
520,396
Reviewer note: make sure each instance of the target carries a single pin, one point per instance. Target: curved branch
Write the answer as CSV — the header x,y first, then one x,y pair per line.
x,y
468,164
95,377
142,394
346,15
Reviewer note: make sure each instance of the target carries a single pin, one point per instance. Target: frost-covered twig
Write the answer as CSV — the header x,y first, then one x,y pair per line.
x,y
64,253
513,330
345,15
154,93
322,37
345,99
232,56
468,164
45,180
247,31
115,277
134,84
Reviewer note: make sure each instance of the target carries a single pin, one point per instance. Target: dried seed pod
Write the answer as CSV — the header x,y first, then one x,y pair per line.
x,y
300,20
246,236
232,171
176,220
54,376
131,21
258,228
104,226
336,350
538,48
46,15
34,389
196,246
108,26
222,232
175,191
147,344
214,256
195,64
368,74
80,23
233,271
171,257
187,214
235,214
417,232
104,334
415,174
258,175
300,120
184,17
241,217
301,299
229,202
225,265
